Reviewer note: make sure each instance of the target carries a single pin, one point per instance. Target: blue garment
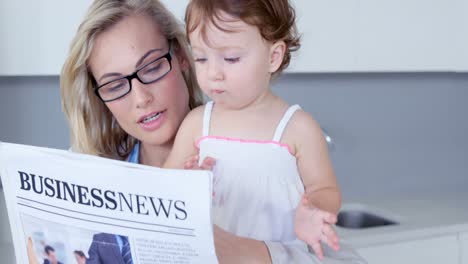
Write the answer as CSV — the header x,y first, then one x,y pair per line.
x,y
124,248
106,249
126,252
119,242
134,156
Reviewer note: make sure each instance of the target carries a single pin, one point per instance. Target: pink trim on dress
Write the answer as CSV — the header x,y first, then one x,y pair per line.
x,y
245,141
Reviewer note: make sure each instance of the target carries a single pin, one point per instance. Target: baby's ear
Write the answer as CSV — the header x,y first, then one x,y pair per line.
x,y
277,51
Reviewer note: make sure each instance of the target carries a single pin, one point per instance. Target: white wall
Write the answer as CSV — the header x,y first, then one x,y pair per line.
x,y
337,35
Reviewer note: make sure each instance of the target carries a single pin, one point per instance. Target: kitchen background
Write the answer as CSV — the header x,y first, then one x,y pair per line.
x,y
388,81
392,132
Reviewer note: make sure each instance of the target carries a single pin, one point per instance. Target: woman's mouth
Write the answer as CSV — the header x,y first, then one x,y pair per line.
x,y
153,121
151,118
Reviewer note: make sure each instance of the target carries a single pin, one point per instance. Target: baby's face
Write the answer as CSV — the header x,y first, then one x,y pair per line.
x,y
233,68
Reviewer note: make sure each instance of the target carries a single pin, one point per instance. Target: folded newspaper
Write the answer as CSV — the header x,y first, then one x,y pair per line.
x,y
76,207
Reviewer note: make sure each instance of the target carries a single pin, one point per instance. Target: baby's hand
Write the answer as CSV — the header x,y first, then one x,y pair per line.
x,y
313,226
192,163
207,164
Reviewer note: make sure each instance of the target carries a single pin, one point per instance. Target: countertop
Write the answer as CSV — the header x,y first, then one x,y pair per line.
x,y
419,216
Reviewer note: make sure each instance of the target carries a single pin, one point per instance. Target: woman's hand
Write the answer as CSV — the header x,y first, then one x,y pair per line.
x,y
313,226
234,249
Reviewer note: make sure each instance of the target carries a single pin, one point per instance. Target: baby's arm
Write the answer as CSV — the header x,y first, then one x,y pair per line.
x,y
316,213
315,167
185,148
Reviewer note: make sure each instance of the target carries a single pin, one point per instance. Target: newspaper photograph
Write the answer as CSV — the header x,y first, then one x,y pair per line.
x,y
77,208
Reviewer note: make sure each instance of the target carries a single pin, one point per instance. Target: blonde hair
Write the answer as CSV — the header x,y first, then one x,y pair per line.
x,y
93,130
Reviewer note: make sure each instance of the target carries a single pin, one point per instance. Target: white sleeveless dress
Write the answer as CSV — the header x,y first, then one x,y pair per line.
x,y
257,188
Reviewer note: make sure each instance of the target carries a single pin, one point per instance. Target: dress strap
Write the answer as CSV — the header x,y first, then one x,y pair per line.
x,y
207,118
284,122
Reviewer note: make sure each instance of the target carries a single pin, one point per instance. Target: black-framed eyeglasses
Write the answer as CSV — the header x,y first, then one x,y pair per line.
x,y
151,72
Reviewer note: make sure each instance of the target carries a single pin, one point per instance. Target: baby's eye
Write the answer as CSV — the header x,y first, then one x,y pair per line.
x,y
200,60
232,60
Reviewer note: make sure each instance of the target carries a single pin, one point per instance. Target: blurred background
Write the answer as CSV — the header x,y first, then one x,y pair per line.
x,y
387,80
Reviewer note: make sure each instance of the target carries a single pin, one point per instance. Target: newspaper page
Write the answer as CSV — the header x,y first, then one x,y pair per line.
x,y
78,208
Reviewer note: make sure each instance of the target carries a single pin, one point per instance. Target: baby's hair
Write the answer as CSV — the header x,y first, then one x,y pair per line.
x,y
275,19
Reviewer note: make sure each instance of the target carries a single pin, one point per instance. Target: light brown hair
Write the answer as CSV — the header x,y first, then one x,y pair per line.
x,y
93,130
275,19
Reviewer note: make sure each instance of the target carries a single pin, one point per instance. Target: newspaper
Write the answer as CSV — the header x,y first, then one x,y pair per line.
x,y
104,211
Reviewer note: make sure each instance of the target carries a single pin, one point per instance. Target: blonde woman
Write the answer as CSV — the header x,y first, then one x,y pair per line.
x,y
109,122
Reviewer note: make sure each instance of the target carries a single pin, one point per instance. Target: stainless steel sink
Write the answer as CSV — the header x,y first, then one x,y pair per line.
x,y
357,219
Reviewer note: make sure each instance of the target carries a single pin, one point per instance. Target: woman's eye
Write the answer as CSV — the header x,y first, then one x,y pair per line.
x,y
154,68
113,87
232,60
116,88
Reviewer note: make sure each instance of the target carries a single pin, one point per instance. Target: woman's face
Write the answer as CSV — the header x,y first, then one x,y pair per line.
x,y
151,112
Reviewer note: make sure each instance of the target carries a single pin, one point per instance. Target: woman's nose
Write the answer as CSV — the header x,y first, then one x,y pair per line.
x,y
142,92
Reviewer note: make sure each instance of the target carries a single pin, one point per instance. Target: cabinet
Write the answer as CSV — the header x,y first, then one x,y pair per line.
x,y
36,34
401,35
377,36
337,35
443,249
462,36
328,38
326,29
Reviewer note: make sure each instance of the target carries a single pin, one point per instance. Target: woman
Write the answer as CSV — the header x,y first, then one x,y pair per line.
x,y
127,85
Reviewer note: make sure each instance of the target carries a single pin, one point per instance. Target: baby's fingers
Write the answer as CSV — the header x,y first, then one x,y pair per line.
x,y
192,163
317,249
208,163
330,237
329,217
188,165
